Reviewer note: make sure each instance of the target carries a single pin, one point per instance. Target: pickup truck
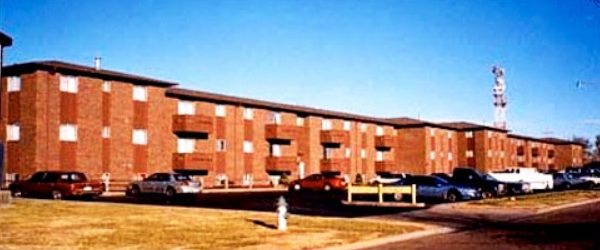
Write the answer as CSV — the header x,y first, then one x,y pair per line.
x,y
537,180
57,185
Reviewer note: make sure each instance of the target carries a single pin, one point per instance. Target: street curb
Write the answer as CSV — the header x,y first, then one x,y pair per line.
x,y
392,239
555,208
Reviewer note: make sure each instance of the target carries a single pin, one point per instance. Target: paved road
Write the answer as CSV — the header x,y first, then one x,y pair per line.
x,y
571,228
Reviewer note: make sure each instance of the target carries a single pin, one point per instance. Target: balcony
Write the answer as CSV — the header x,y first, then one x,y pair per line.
x,y
334,137
333,165
192,124
280,132
387,166
384,141
520,150
193,161
535,152
550,153
281,163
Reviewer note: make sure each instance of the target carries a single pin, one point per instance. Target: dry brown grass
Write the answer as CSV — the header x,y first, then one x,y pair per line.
x,y
541,200
47,224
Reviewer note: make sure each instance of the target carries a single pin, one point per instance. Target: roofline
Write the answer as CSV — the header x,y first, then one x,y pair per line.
x,y
80,70
472,126
5,40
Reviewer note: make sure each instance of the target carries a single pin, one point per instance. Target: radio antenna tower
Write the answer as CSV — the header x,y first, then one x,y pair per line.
x,y
499,98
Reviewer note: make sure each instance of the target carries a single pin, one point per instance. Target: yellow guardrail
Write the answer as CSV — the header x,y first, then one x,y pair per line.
x,y
381,189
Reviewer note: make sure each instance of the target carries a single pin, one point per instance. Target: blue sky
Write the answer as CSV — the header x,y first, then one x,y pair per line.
x,y
422,59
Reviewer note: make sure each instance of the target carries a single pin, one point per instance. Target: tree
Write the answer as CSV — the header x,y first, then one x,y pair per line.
x,y
596,152
587,152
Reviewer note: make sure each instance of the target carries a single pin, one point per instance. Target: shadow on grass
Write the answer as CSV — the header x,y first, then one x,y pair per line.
x,y
262,223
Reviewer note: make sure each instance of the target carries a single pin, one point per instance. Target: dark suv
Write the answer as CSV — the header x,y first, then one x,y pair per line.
x,y
57,185
490,187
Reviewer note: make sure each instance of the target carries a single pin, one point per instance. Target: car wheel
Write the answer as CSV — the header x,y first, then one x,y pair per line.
x,y
398,197
56,195
15,192
135,191
296,187
567,186
486,195
452,196
170,193
327,187
589,185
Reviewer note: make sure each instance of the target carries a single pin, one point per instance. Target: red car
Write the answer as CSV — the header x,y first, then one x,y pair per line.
x,y
319,182
57,185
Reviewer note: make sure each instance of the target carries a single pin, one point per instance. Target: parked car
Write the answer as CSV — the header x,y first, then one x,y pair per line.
x,y
57,185
319,182
537,180
567,181
429,186
167,184
490,186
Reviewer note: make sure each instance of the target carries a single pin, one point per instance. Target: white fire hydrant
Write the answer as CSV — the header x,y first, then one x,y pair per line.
x,y
282,214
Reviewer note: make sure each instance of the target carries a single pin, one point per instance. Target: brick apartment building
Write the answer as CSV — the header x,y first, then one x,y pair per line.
x,y
58,115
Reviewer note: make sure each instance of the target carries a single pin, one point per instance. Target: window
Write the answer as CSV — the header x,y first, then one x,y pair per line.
x,y
363,153
489,153
68,132
379,156
248,114
275,150
347,125
300,121
13,132
449,156
432,132
105,132
469,154
326,124
449,134
186,108
186,146
248,147
489,134
363,127
14,84
140,93
469,134
220,110
348,152
275,118
502,154
379,130
221,145
327,153
68,84
106,86
432,155
140,137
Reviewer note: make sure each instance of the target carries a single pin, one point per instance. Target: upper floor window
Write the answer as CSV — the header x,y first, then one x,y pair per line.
x,y
140,93
363,127
275,150
14,84
432,132
106,86
105,132
248,148
363,153
469,153
13,132
379,130
449,134
469,134
348,152
489,134
220,111
140,137
68,84
275,118
300,121
68,132
347,125
326,124
186,108
248,114
379,156
221,145
185,146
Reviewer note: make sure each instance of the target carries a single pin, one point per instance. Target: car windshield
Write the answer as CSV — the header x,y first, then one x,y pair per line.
x,y
182,177
488,177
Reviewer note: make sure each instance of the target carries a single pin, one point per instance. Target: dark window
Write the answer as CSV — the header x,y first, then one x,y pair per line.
x,y
51,177
154,177
182,177
37,177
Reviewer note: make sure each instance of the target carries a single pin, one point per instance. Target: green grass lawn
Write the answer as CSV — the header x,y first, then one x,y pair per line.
x,y
47,224
537,201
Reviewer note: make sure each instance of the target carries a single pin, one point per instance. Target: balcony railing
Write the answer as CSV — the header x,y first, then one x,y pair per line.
x,y
387,166
520,150
335,137
280,132
535,152
384,141
193,161
281,163
192,124
333,165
